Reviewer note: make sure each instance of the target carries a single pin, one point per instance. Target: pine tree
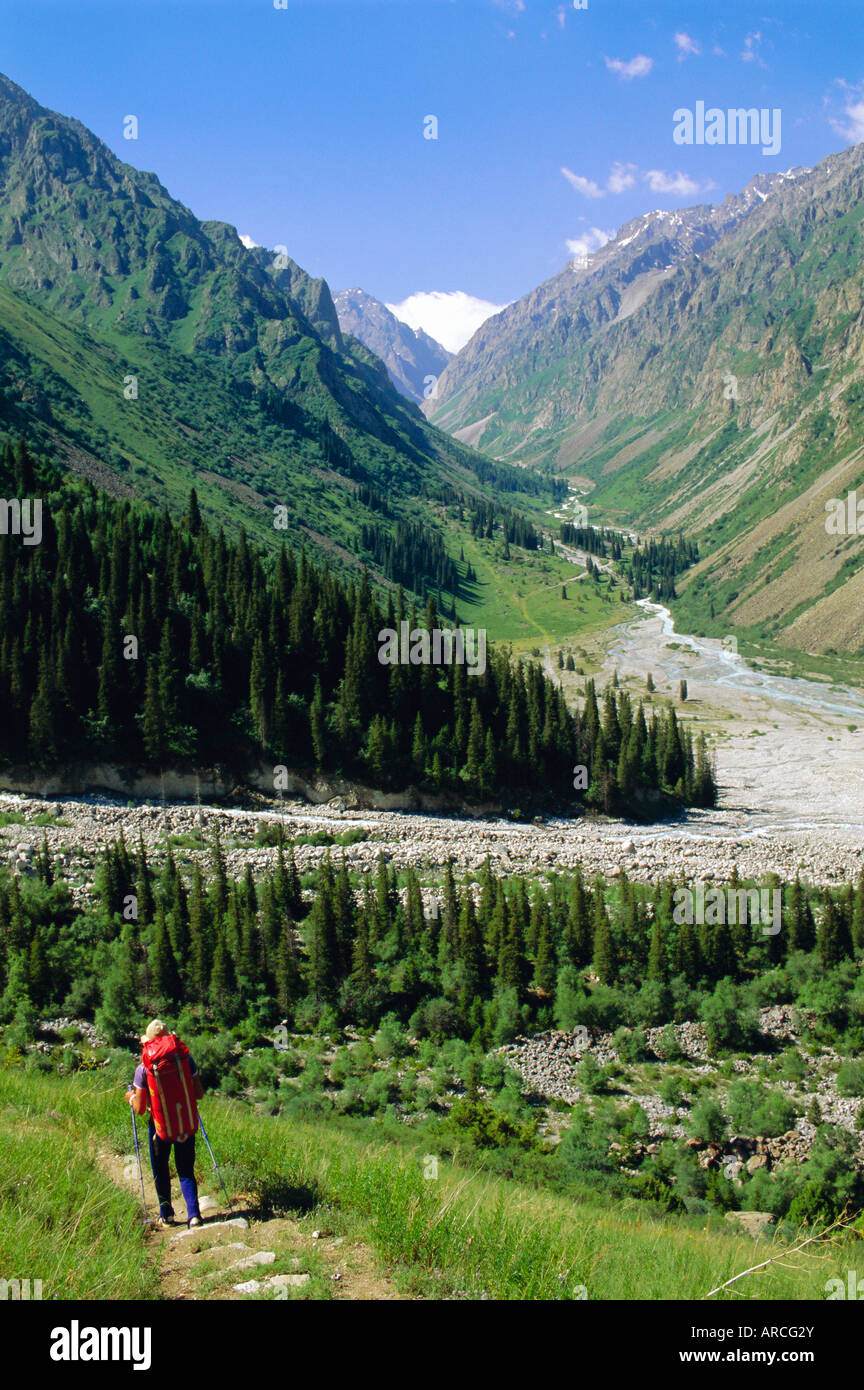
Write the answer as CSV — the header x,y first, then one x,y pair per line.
x,y
800,926
577,938
544,966
832,938
858,914
164,975
658,968
603,952
200,937
287,970
322,943
223,982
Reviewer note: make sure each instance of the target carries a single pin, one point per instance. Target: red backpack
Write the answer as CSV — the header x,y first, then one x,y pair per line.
x,y
169,1082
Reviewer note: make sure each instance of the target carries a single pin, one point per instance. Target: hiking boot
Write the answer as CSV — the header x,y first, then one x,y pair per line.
x,y
194,1221
166,1216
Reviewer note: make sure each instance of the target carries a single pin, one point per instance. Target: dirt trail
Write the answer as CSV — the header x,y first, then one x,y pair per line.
x,y
207,1264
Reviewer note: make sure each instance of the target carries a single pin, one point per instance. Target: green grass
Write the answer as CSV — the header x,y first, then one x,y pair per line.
x,y
62,1221
475,1233
519,600
18,818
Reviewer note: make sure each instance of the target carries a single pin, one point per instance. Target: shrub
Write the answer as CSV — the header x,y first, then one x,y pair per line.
x,y
754,1109
603,1010
671,1090
488,1128
437,1019
631,1044
792,1066
590,1076
654,1003
214,1058
391,1040
341,1067
584,1146
667,1047
493,1072
707,1121
729,1023
570,999
259,1069
850,1078
288,1062
650,1187
720,1192
381,1089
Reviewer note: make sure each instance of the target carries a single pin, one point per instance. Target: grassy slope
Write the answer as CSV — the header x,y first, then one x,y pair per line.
x,y
519,600
522,1244
61,1219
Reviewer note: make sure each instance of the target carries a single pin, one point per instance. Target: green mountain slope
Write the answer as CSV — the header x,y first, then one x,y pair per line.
x,y
153,351
725,401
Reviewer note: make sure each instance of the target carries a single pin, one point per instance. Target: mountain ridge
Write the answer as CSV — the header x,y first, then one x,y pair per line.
x,y
726,404
593,292
237,372
411,356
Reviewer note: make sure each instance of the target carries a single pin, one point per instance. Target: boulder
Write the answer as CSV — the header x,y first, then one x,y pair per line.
x,y
238,1223
289,1281
261,1257
754,1223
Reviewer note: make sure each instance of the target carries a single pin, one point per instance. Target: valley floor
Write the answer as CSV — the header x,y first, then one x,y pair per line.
x,y
790,763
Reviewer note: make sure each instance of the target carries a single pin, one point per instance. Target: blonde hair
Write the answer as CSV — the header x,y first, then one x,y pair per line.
x,y
154,1030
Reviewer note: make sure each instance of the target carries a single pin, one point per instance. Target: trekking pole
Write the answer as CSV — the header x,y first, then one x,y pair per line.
x,y
140,1170
215,1164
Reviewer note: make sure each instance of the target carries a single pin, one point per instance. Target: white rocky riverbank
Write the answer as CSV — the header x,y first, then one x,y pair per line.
x,y
704,846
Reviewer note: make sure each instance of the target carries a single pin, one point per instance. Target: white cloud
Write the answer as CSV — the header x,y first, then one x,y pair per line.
x,y
510,6
621,177
686,46
640,66
850,122
451,317
750,53
852,127
592,240
583,185
661,182
248,242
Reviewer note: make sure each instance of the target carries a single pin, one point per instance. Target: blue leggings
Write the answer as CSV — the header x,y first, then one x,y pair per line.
x,y
184,1162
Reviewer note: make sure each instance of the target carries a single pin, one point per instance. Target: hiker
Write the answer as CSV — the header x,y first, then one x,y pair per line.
x,y
167,1082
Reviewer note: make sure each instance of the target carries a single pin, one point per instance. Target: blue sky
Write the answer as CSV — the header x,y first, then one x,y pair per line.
x,y
303,126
